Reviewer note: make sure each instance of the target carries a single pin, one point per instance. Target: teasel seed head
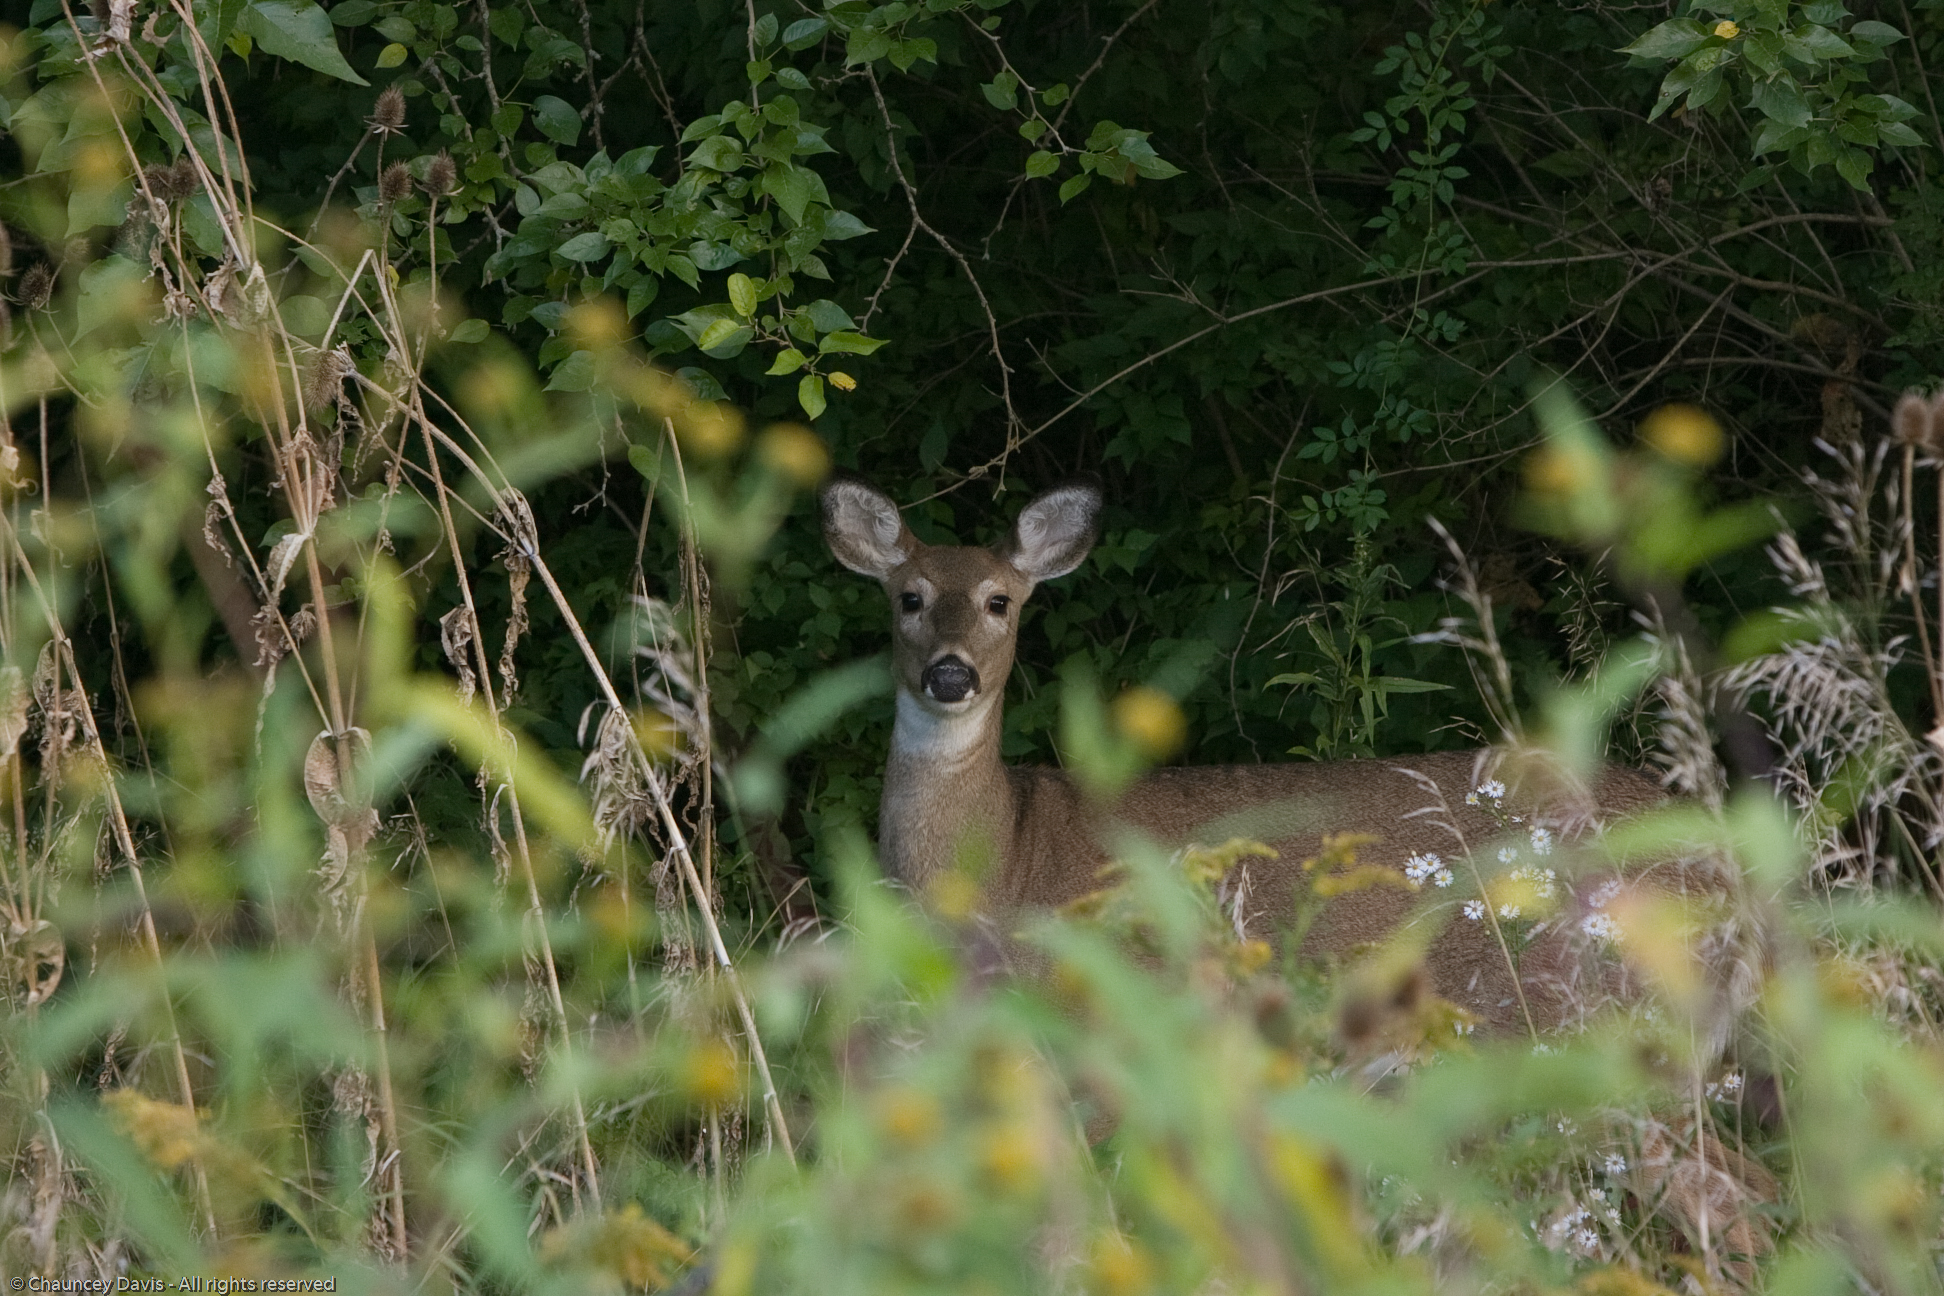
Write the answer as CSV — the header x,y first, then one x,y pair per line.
x,y
441,175
1913,423
37,286
394,183
326,377
388,114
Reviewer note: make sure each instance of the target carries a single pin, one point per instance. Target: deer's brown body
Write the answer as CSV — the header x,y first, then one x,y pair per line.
x,y
948,798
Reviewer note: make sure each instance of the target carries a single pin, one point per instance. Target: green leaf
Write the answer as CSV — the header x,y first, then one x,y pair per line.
x,y
828,316
866,46
787,361
1781,100
792,187
469,331
1002,92
1899,135
717,334
574,374
844,342
557,119
1056,95
1675,38
585,247
717,153
804,32
299,31
791,79
757,72
1854,165
353,13
810,395
641,294
1074,188
765,32
1032,129
742,295
395,28
392,55
307,317
1041,164
1876,33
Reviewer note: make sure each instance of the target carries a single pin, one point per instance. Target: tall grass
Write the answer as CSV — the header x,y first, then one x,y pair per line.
x,y
269,1018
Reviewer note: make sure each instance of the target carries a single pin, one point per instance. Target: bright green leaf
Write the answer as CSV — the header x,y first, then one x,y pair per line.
x,y
787,361
1074,188
585,247
392,55
1041,164
810,395
469,331
844,342
742,295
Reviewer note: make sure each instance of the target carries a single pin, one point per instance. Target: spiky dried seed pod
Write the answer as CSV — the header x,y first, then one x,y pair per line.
x,y
1913,422
330,371
441,175
394,183
186,176
388,114
37,286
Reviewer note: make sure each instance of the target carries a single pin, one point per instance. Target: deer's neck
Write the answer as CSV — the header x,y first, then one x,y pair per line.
x,y
946,797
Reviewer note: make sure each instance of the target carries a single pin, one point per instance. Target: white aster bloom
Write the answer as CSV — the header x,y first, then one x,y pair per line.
x,y
1474,909
1542,841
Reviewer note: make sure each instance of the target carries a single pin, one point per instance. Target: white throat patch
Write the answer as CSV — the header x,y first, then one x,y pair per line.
x,y
922,731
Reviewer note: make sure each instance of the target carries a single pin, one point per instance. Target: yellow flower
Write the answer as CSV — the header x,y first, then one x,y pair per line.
x,y
1726,30
1684,434
1151,721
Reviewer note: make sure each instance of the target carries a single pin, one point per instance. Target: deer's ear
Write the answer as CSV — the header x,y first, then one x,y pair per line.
x,y
864,530
1055,531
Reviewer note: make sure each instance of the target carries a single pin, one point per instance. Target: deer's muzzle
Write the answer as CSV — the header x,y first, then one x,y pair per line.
x,y
950,679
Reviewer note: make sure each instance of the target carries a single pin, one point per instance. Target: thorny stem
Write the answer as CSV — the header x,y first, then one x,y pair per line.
x,y
126,841
558,1003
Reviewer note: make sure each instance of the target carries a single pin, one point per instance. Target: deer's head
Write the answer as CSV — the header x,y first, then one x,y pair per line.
x,y
955,608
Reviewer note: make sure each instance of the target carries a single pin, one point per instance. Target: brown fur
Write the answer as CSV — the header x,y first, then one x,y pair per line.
x,y
949,802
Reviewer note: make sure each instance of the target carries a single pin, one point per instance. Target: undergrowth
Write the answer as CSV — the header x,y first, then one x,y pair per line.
x,y
265,1024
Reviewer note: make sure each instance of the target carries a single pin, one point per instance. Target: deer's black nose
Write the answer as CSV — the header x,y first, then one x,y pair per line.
x,y
950,679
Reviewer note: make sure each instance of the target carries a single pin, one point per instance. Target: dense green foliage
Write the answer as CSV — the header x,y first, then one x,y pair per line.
x,y
357,352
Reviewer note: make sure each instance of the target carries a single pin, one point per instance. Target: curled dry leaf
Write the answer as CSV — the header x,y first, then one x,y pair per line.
x,y
456,637
334,781
36,956
522,542
14,697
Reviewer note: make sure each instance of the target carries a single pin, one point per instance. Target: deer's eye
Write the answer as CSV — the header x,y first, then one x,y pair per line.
x,y
998,605
910,602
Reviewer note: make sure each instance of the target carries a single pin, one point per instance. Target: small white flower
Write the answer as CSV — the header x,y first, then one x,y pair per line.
x,y
1508,854
1474,909
1732,1082
1567,1126
1615,1164
1597,1194
1586,1239
1461,1028
1508,911
1442,877
1543,1050
1419,868
1613,1217
1542,841
1492,789
1471,798
1600,926
1603,897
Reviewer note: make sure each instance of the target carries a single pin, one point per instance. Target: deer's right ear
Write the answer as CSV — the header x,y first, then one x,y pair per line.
x,y
864,530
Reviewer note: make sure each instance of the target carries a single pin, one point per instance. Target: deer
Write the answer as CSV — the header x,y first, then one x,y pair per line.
x,y
949,798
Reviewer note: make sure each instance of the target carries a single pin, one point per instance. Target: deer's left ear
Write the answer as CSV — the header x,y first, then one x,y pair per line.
x,y
1054,531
